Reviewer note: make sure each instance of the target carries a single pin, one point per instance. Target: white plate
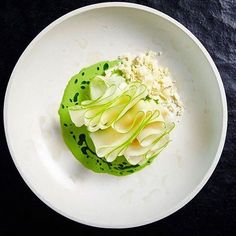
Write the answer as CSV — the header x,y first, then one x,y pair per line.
x,y
83,37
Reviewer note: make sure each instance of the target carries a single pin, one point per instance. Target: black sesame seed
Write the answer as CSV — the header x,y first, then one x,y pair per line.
x,y
76,80
82,73
70,100
83,87
75,99
105,66
65,125
83,82
62,106
84,150
98,68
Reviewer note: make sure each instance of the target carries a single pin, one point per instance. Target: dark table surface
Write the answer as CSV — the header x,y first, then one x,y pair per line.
x,y
213,210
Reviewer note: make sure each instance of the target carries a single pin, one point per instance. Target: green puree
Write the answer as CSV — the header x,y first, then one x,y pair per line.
x,y
78,139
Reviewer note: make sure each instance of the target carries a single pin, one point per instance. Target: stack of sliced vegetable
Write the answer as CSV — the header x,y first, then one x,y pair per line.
x,y
121,120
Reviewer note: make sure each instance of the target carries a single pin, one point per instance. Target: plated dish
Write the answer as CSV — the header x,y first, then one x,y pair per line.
x,y
116,116
74,44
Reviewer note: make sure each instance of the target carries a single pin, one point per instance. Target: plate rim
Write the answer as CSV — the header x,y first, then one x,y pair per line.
x,y
218,152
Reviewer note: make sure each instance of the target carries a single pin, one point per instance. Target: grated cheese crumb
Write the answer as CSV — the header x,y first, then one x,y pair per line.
x,y
146,69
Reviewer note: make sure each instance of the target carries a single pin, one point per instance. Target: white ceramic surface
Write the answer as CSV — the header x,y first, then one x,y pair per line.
x,y
35,89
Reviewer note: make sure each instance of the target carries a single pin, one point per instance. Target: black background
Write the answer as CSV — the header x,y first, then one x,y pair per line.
x,y
213,210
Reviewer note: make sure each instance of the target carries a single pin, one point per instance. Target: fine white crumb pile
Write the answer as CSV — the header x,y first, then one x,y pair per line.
x,y
146,69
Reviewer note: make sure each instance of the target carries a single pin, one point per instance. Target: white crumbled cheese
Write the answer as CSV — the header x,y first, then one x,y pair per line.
x,y
146,69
